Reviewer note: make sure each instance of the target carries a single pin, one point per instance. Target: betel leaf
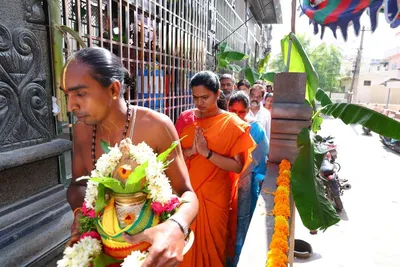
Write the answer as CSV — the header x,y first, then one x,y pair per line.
x,y
101,202
323,98
315,210
251,75
111,183
355,114
105,146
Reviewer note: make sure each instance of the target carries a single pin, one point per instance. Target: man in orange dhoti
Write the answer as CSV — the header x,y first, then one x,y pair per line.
x,y
217,147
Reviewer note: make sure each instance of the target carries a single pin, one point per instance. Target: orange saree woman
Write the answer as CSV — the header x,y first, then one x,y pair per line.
x,y
216,189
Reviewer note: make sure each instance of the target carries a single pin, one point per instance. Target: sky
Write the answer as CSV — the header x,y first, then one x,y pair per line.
x,y
375,44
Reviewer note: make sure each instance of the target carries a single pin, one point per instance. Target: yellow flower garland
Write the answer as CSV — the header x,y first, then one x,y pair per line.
x,y
279,247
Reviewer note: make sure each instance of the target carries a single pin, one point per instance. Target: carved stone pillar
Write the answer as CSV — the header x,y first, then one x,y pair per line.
x,y
31,194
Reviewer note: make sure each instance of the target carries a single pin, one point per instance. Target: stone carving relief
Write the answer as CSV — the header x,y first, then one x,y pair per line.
x,y
24,110
34,11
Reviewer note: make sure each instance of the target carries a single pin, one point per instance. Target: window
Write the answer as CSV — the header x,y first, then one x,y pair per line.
x,y
367,83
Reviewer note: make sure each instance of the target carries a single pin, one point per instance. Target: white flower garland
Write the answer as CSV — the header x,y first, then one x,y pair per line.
x,y
91,194
135,259
81,254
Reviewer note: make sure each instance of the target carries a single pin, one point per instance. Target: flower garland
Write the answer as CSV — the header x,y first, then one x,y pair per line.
x,y
279,247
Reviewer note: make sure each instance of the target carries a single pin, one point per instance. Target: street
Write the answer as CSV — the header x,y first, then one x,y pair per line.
x,y
369,233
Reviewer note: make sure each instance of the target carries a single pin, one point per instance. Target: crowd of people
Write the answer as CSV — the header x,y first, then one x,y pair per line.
x,y
218,170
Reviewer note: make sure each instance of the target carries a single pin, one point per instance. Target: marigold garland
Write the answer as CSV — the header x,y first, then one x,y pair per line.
x,y
279,247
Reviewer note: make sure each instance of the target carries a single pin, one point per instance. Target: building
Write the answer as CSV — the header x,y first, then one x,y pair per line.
x,y
373,87
161,42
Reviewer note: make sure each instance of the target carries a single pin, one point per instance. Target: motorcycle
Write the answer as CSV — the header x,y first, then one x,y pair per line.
x,y
327,144
391,143
366,130
333,185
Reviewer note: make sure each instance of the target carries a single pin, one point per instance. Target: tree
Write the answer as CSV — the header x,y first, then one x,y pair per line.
x,y
326,60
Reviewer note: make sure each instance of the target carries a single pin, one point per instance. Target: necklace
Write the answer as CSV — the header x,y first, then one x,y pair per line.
x,y
128,118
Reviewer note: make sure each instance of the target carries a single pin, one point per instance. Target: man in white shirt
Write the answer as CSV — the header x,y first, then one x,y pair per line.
x,y
257,111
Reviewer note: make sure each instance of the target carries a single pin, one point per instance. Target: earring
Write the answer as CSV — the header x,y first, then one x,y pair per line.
x,y
115,97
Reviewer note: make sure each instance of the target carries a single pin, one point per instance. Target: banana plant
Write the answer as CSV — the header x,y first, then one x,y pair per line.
x,y
226,55
315,210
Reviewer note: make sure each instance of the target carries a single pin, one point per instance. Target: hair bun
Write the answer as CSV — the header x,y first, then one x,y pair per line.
x,y
128,81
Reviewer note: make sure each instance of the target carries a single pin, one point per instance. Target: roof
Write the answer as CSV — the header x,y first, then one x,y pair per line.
x,y
391,80
266,11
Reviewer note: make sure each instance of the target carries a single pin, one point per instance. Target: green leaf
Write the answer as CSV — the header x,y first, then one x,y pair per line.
x,y
323,98
87,224
223,63
316,123
163,156
251,75
103,260
269,76
101,202
223,47
234,67
233,55
73,33
105,146
263,63
315,210
300,62
111,183
133,184
355,114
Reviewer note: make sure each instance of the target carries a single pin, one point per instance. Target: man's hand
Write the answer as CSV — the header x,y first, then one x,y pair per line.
x,y
75,234
167,242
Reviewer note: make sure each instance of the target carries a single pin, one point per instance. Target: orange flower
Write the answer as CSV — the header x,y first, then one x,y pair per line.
x,y
280,242
276,258
129,218
281,210
284,163
281,199
124,171
281,225
287,172
283,180
282,190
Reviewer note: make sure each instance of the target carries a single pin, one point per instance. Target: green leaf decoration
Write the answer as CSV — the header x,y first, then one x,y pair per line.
x,y
323,98
163,156
315,210
111,183
263,63
105,146
234,67
223,63
233,55
101,202
251,75
103,260
87,224
269,76
133,184
355,114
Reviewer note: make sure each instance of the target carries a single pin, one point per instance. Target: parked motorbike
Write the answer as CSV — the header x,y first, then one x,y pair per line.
x,y
333,185
391,143
366,130
328,144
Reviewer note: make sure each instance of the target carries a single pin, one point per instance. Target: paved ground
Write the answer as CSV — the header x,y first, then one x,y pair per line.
x,y
369,232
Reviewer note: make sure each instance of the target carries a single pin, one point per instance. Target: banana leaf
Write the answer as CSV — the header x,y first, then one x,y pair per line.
x,y
262,64
73,33
315,210
323,98
232,55
234,67
251,74
300,62
269,76
355,114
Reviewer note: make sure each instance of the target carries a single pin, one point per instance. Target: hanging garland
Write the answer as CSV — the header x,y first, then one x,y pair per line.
x,y
279,246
